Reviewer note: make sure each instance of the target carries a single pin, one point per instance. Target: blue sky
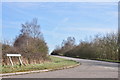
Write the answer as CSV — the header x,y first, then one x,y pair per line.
x,y
59,20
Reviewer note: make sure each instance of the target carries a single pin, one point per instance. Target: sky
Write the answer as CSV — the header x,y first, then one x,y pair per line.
x,y
59,20
60,0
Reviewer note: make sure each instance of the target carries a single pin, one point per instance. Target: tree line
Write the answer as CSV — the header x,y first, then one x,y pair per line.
x,y
30,44
100,47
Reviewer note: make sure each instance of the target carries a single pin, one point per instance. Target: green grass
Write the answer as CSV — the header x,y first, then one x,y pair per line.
x,y
53,64
108,60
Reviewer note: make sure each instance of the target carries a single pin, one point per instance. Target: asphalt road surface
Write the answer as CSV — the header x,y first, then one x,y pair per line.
x,y
87,69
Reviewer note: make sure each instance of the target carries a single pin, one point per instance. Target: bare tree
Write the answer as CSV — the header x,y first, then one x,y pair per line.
x,y
30,42
32,29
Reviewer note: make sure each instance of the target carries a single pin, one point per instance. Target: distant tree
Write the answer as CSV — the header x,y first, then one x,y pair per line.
x,y
107,46
65,46
56,51
69,43
100,47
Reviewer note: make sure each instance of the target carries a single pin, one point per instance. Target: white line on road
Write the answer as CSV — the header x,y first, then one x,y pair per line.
x,y
109,68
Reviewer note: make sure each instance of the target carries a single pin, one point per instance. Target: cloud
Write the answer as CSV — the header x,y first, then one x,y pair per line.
x,y
89,29
21,4
63,32
107,3
12,24
65,19
60,0
54,33
28,5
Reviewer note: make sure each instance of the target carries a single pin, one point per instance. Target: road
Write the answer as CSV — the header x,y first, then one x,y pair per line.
x,y
87,69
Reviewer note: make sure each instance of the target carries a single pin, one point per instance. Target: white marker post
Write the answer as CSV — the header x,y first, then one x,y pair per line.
x,y
14,55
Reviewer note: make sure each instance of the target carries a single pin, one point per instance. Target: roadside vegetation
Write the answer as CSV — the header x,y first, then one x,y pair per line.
x,y
55,63
29,43
105,48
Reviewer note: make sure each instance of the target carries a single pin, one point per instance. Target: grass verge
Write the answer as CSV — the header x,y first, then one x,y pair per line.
x,y
98,59
54,64
108,60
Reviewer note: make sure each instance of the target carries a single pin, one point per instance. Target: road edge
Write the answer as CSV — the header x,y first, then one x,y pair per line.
x,y
39,71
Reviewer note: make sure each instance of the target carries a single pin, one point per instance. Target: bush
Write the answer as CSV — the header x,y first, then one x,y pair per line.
x,y
30,44
101,47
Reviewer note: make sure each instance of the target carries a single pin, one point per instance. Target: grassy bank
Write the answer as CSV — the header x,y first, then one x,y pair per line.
x,y
106,60
53,64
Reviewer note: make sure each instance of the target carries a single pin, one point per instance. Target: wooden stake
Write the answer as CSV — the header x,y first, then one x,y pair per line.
x,y
11,60
20,61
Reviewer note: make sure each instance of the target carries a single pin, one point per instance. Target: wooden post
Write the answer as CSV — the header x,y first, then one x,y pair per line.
x,y
20,60
11,60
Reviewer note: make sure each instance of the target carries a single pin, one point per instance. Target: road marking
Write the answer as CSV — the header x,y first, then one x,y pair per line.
x,y
109,68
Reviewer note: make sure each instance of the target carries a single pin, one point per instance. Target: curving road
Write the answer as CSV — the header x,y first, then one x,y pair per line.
x,y
87,69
